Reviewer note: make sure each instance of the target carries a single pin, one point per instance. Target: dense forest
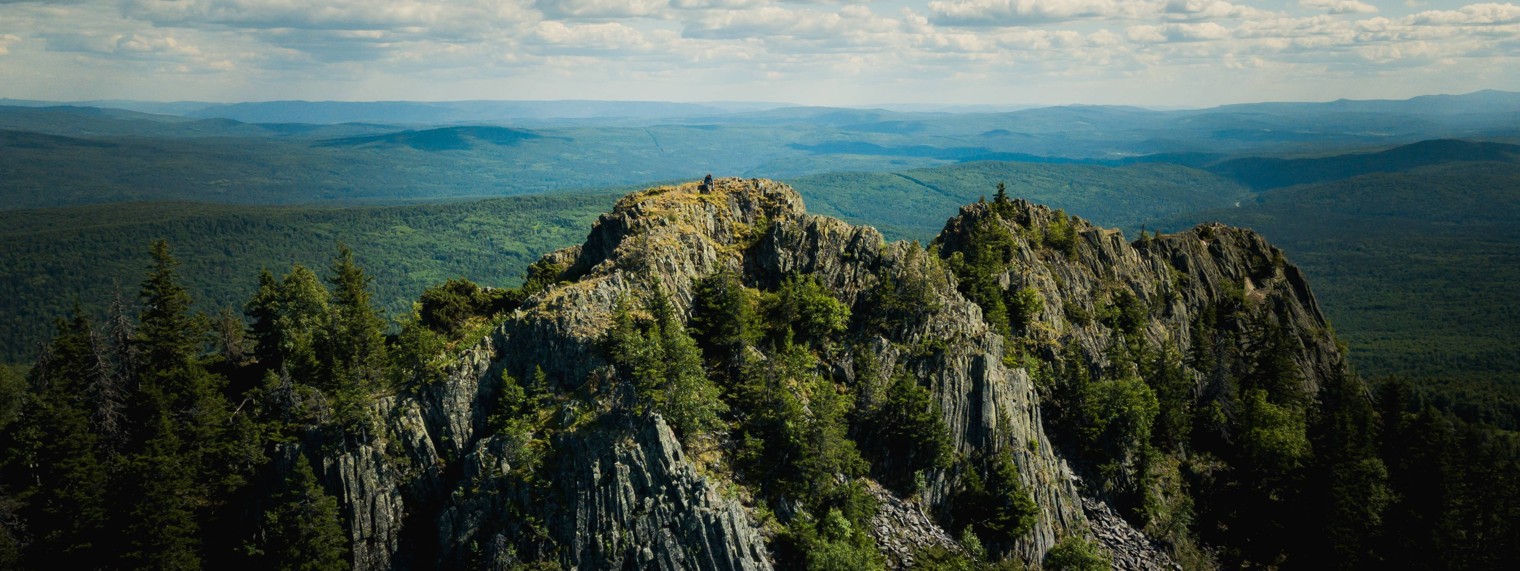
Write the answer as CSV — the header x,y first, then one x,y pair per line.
x,y
86,256
159,436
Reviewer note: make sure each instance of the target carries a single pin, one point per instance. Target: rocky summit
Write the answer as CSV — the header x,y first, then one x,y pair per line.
x,y
598,481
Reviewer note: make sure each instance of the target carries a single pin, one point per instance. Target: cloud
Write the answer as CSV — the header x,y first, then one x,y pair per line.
x,y
599,9
1470,15
1340,6
459,19
1181,32
610,37
775,24
6,41
1209,10
1025,12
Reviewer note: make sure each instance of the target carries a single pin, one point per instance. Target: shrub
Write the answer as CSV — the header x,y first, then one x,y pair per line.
x,y
1076,554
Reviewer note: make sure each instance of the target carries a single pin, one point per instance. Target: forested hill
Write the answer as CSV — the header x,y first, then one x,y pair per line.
x,y
56,258
715,379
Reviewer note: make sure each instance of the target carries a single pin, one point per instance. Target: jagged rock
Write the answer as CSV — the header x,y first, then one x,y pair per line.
x,y
621,492
1129,549
641,504
902,529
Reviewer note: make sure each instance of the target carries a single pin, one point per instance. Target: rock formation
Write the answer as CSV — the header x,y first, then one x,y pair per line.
x,y
443,485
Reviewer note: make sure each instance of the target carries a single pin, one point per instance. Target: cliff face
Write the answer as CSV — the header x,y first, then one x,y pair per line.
x,y
443,484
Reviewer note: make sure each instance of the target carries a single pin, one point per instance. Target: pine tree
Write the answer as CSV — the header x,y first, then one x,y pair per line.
x,y
169,335
160,525
301,529
186,457
63,481
352,353
723,317
289,315
665,368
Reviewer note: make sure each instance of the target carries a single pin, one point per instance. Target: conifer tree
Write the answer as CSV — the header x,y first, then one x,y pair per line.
x,y
160,526
63,479
723,317
352,351
356,330
289,315
169,335
301,529
185,457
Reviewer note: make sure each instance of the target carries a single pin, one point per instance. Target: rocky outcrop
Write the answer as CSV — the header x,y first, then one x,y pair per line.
x,y
1128,549
1174,279
440,485
904,530
640,504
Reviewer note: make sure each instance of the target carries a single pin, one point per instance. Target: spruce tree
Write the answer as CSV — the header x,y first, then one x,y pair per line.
x,y
185,459
353,346
289,315
301,528
61,480
160,526
169,335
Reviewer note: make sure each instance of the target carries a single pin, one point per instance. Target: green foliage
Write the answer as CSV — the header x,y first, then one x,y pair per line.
x,y
903,298
1124,312
905,435
724,316
301,530
516,422
288,316
1109,420
1273,437
12,394
59,472
994,503
420,353
541,275
1060,234
445,307
665,367
1024,306
161,527
1173,386
1076,554
351,353
792,425
169,334
981,260
804,310
833,543
56,256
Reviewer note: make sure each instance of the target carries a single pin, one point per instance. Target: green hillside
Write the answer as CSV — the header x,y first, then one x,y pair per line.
x,y
1264,173
1416,269
57,257
914,204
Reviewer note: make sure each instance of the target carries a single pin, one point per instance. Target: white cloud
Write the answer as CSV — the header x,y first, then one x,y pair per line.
x,y
599,9
1024,12
1178,32
1340,6
809,51
589,38
6,41
778,24
1209,10
1472,14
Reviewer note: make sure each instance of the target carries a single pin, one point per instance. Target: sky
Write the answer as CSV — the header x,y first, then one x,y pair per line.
x,y
841,53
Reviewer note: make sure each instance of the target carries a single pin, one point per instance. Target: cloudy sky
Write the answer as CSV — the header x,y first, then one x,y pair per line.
x,y
1148,52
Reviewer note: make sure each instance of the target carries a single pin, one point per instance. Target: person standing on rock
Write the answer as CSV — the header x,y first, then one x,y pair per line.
x,y
707,183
